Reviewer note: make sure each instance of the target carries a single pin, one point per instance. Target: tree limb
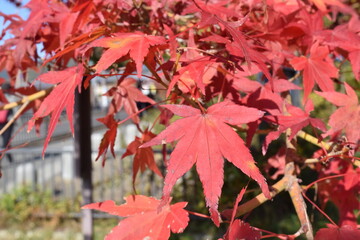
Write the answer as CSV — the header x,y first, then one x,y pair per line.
x,y
29,98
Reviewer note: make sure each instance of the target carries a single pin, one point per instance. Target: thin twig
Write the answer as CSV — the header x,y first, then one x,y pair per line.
x,y
12,120
156,75
321,211
29,98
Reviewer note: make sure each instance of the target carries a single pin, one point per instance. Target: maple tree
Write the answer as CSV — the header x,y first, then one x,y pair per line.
x,y
224,71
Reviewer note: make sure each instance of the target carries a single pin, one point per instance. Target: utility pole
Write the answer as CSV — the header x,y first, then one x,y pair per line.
x,y
82,117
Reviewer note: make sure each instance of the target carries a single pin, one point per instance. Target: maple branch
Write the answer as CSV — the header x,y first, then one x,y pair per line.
x,y
311,161
297,197
26,99
323,145
294,77
260,199
311,139
295,191
12,120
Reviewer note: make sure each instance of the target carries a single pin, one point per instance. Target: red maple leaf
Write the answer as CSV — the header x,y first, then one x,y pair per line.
x,y
196,70
318,67
204,139
239,229
266,98
40,12
345,117
242,230
335,233
66,25
345,36
126,95
199,72
62,96
143,157
342,192
240,47
297,120
143,218
109,137
137,44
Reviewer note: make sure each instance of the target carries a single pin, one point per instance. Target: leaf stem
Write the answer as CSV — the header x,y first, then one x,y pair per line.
x,y
322,179
321,211
198,214
154,73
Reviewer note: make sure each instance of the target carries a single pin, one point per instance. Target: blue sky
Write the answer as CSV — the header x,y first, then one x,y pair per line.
x,y
9,8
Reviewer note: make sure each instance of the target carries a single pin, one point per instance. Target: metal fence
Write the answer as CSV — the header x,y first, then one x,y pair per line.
x,y
56,173
62,130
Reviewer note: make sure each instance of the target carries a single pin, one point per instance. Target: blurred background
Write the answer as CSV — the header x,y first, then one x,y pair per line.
x,y
40,198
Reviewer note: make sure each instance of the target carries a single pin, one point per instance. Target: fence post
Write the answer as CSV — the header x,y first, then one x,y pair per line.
x,y
82,124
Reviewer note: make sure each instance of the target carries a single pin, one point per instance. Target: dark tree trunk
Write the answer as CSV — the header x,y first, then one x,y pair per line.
x,y
82,122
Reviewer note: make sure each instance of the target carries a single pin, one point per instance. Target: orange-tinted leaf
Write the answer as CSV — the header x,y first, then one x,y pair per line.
x,y
137,44
62,96
78,41
144,220
126,95
197,72
204,139
143,157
